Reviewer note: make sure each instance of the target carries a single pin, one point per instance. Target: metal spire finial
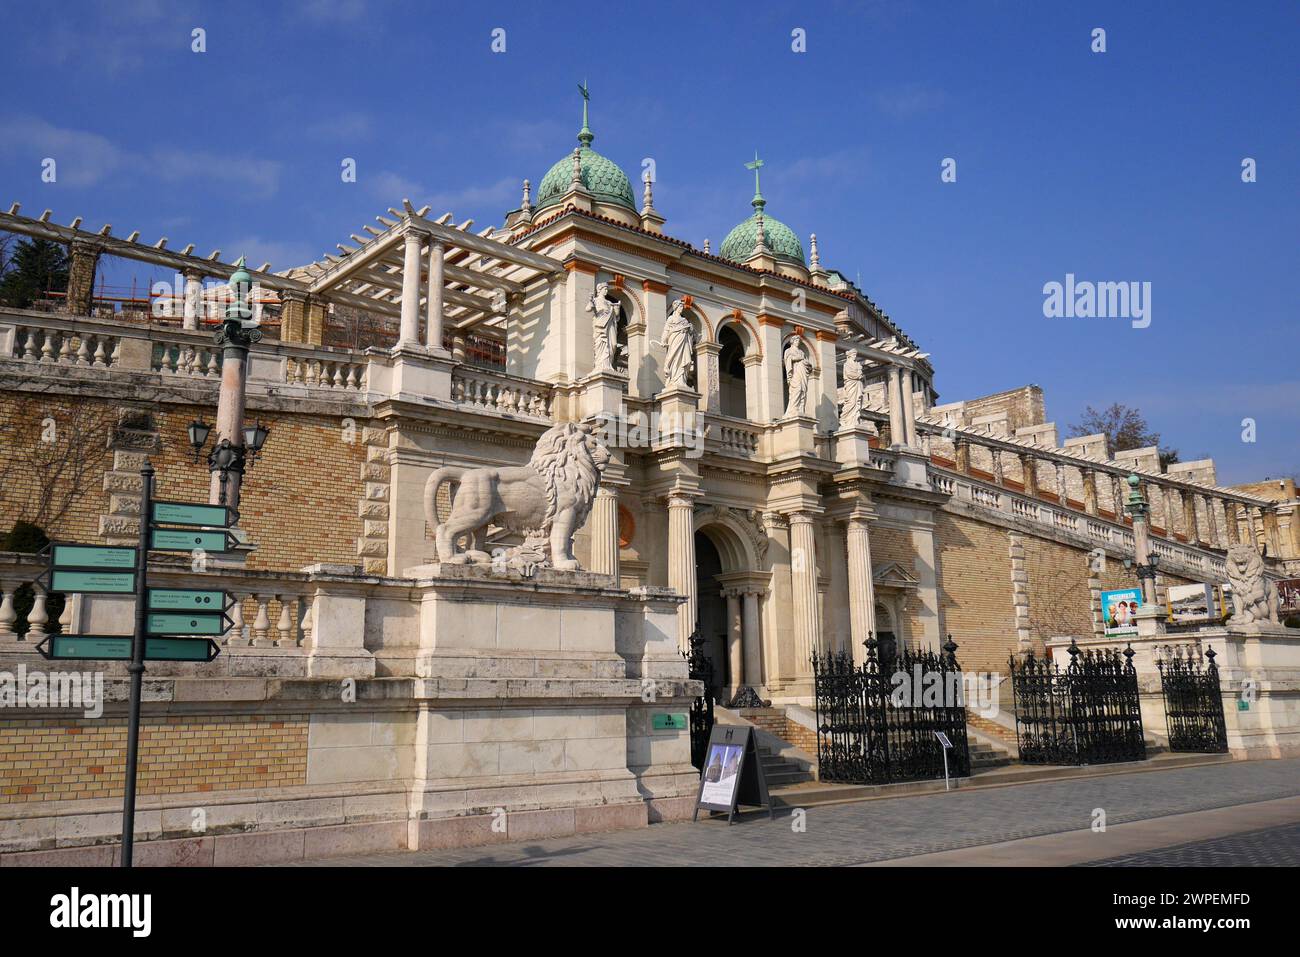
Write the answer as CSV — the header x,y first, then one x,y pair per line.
x,y
585,135
758,201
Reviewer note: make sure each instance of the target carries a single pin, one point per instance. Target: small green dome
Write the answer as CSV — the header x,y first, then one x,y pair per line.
x,y
779,238
602,178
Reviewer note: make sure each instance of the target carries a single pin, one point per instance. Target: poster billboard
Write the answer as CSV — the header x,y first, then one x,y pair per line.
x,y
1288,596
1191,603
1118,609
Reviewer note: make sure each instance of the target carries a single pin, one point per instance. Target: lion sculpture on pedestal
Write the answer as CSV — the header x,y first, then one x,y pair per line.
x,y
546,500
1254,597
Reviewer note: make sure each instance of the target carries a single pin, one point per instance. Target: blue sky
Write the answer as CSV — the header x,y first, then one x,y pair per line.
x,y
1115,166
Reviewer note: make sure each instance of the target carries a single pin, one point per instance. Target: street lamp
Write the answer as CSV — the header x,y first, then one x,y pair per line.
x,y
198,431
1144,562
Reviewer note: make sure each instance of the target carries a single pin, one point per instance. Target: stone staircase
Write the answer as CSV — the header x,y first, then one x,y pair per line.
x,y
990,728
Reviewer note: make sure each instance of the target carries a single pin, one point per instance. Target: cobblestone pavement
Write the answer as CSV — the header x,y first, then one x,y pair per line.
x,y
1271,847
883,829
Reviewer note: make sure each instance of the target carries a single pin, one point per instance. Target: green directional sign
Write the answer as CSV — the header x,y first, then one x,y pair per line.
x,y
91,583
118,648
191,513
91,556
181,540
183,623
184,599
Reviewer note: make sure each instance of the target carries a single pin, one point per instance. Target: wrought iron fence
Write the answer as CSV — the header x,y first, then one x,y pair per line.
x,y
1087,714
1193,701
701,669
877,722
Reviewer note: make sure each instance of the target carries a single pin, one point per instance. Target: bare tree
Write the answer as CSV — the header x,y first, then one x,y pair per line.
x,y
1124,427
52,454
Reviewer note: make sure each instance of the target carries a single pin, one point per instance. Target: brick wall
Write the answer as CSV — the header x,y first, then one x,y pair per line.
x,y
300,500
976,591
42,759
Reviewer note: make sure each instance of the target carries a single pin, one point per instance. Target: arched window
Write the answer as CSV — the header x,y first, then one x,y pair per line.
x,y
731,374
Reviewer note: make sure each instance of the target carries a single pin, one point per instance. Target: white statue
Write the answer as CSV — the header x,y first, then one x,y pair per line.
x,y
547,500
604,331
853,393
798,367
679,343
1254,597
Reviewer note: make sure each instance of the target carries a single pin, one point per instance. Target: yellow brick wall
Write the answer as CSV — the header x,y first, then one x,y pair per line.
x,y
50,760
300,499
976,591
895,545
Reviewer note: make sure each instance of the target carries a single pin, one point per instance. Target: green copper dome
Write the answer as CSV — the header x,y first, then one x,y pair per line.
x,y
779,238
601,177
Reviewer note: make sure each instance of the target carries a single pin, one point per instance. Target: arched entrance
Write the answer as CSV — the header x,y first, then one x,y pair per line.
x,y
729,590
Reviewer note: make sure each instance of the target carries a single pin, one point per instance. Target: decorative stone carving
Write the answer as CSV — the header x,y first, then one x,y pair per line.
x,y
798,369
1254,597
679,343
546,500
851,394
604,332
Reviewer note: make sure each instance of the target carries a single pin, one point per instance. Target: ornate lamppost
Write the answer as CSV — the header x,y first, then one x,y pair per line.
x,y
237,444
1144,563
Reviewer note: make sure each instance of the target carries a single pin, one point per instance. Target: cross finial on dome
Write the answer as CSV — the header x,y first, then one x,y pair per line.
x,y
585,135
758,202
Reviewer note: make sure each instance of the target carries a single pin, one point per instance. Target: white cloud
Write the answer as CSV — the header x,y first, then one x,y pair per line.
x,y
486,202
86,159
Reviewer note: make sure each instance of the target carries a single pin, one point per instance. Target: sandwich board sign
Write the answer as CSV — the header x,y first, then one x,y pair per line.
x,y
732,773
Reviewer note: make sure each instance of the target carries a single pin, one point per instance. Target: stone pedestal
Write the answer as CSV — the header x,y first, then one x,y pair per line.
x,y
853,447
413,373
602,392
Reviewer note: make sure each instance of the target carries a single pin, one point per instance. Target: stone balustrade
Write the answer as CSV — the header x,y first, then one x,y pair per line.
x,y
1087,531
497,392
733,436
1079,494
274,618
49,340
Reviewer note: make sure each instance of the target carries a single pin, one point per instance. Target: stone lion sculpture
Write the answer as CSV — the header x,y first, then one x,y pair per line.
x,y
546,500
1254,598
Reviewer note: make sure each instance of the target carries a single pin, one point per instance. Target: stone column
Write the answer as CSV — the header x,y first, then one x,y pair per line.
x,y
681,563
1062,490
1089,478
1211,522
410,328
293,316
735,641
194,299
753,638
909,408
1230,521
1117,497
1271,534
961,455
897,429
862,593
1029,466
433,300
604,533
81,276
997,465
1190,528
803,578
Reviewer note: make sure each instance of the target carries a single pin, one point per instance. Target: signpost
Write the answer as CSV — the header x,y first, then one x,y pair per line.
x,y
118,648
171,624
732,773
946,744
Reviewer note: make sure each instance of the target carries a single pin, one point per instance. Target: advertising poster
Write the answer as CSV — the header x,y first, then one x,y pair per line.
x,y
721,774
1288,597
1118,609
1191,603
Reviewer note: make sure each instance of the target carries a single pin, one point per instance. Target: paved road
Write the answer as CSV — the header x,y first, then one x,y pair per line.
x,y
1271,847
892,828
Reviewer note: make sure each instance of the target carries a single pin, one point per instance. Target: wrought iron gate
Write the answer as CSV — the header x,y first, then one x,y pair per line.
x,y
874,726
1087,714
700,669
1193,701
